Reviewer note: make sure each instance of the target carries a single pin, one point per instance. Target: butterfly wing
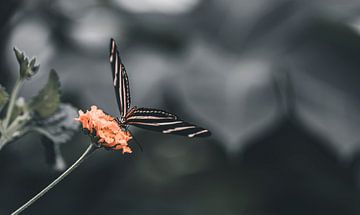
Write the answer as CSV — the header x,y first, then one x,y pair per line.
x,y
120,80
165,122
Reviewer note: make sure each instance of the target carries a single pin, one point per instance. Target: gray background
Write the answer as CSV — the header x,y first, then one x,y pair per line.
x,y
275,81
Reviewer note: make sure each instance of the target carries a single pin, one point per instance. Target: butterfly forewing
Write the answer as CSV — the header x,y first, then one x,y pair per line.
x,y
120,80
165,122
148,118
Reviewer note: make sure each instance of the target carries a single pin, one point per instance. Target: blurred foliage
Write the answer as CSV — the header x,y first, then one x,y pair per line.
x,y
60,126
44,113
4,96
56,129
27,66
48,99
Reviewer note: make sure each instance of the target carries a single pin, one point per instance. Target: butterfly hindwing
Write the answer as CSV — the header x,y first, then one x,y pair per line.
x,y
165,122
120,80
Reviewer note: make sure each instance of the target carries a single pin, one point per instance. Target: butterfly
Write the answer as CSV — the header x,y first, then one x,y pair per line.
x,y
147,118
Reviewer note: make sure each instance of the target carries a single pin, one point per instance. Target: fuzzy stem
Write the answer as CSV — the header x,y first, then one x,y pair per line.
x,y
13,97
88,151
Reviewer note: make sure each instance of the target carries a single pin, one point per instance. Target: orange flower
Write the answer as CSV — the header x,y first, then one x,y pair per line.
x,y
105,128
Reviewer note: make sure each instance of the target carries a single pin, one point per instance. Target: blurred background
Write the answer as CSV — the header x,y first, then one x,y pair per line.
x,y
276,81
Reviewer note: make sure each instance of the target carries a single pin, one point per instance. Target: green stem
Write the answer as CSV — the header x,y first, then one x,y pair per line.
x,y
13,97
19,122
88,151
14,127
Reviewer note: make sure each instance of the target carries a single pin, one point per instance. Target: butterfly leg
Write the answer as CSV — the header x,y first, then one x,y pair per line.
x,y
118,120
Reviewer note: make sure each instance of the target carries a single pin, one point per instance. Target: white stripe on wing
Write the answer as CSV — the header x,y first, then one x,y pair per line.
x,y
197,133
177,129
155,123
116,72
148,117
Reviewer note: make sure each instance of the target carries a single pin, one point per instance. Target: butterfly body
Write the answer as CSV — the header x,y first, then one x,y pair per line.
x,y
147,118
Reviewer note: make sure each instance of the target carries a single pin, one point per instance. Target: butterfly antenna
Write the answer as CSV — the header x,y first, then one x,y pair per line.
x,y
137,142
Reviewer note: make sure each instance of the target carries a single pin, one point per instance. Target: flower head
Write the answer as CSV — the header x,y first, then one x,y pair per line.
x,y
105,129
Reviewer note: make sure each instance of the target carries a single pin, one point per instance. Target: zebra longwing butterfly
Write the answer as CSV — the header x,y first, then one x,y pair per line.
x,y
147,118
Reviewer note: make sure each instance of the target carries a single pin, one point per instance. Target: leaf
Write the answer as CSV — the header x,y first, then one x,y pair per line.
x,y
27,67
48,99
56,130
4,96
60,127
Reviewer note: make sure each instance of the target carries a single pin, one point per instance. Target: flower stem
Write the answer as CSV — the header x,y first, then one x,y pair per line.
x,y
13,97
88,151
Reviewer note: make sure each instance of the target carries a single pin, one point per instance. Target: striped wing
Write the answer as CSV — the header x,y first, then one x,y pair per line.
x,y
162,121
120,80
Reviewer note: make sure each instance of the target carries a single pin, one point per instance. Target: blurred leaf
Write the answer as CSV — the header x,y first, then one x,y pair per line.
x,y
57,129
27,67
53,154
4,96
60,127
47,101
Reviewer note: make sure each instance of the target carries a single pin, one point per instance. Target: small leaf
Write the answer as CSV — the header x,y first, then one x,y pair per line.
x,y
32,62
4,96
19,55
27,69
48,99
